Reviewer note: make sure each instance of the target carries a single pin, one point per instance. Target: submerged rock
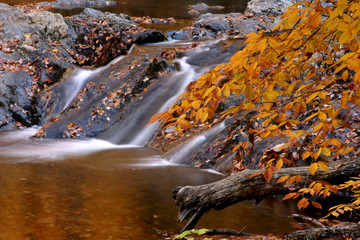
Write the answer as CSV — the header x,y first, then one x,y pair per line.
x,y
70,4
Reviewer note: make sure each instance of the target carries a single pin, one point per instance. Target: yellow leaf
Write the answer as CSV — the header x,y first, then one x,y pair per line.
x,y
317,154
311,116
183,123
202,115
282,179
326,151
344,98
196,104
346,151
323,166
311,97
279,164
226,90
322,115
312,168
336,142
272,127
305,155
249,92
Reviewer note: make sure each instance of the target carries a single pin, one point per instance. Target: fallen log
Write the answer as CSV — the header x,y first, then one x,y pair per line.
x,y
194,201
348,232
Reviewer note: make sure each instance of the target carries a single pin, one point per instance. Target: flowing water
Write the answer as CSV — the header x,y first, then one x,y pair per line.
x,y
93,189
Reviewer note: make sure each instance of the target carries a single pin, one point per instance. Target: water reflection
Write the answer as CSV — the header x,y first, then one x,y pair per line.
x,y
154,8
110,194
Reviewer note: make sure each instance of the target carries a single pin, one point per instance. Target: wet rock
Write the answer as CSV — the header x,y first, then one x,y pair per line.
x,y
215,54
231,23
15,103
99,36
70,4
193,12
200,7
190,33
106,98
53,24
269,7
148,36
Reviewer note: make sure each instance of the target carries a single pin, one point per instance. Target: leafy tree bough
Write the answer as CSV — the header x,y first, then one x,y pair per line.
x,y
302,81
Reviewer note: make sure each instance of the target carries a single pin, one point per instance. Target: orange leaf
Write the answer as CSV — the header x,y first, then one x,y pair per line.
x,y
254,175
268,174
303,203
282,179
291,180
312,168
317,188
316,204
289,196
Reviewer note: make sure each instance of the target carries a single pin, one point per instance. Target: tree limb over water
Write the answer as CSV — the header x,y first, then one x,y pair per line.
x,y
194,201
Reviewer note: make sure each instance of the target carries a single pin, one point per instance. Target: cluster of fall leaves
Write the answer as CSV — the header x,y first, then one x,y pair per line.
x,y
302,80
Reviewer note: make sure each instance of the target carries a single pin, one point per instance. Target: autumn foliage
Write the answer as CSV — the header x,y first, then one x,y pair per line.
x,y
302,79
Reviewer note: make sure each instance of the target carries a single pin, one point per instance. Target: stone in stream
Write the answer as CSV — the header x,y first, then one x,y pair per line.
x,y
70,4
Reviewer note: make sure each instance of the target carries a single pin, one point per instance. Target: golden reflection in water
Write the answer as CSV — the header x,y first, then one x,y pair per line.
x,y
86,197
112,194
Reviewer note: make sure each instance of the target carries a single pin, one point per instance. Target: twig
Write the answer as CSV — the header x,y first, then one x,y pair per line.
x,y
303,218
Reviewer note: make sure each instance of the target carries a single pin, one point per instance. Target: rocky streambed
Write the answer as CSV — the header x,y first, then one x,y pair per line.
x,y
43,52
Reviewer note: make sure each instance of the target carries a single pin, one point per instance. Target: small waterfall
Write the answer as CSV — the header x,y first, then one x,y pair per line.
x,y
133,130
178,154
20,145
77,80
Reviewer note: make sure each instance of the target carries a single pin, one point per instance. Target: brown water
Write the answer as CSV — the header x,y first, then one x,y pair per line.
x,y
155,8
91,189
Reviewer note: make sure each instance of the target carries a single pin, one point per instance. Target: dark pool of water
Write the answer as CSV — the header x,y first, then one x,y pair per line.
x,y
156,8
92,189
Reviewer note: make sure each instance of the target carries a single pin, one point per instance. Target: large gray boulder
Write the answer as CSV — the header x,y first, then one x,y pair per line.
x,y
269,7
228,22
53,24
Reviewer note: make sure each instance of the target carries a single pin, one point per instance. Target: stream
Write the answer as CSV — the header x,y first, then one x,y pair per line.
x,y
114,187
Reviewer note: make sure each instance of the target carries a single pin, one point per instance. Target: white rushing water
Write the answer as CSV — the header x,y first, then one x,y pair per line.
x,y
179,81
79,77
177,154
20,144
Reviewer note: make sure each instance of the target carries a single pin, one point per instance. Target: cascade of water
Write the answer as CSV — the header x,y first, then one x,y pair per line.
x,y
19,144
178,154
79,77
133,129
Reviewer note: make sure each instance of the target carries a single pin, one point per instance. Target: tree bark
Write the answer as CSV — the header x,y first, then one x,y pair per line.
x,y
350,231
194,201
